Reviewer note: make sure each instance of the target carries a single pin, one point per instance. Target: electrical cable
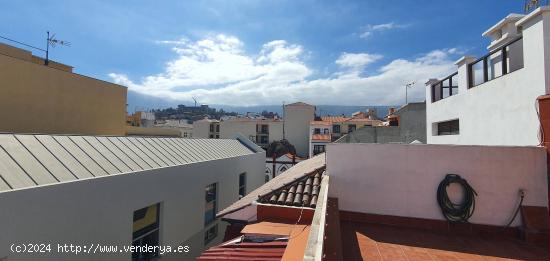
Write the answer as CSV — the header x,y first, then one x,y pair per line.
x,y
456,212
522,195
21,43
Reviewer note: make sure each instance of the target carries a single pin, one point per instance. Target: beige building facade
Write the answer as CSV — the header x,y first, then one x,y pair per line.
x,y
298,115
52,99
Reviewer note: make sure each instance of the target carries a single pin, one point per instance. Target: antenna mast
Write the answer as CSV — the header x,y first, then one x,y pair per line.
x,y
531,5
407,86
51,41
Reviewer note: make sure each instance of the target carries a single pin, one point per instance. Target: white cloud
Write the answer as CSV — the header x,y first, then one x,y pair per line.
x,y
370,29
357,60
216,70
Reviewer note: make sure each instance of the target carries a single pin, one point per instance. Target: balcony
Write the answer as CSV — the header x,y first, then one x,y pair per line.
x,y
499,62
445,88
504,60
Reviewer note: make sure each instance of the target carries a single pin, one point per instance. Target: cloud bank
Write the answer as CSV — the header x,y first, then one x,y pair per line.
x,y
216,70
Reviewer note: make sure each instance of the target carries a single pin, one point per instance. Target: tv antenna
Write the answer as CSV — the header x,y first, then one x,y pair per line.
x,y
407,86
531,5
51,41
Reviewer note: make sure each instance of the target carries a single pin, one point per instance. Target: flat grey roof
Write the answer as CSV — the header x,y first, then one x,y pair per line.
x,y
33,160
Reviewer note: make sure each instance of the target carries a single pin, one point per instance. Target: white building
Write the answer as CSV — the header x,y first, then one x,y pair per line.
x,y
297,117
490,102
206,129
274,168
183,126
262,131
119,191
320,136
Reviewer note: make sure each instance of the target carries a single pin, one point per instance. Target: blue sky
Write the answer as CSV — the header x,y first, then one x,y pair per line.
x,y
261,52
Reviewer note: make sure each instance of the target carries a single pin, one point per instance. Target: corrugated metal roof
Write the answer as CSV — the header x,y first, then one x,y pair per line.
x,y
32,160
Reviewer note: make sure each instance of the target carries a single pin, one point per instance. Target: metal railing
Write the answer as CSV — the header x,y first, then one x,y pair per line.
x,y
499,62
445,88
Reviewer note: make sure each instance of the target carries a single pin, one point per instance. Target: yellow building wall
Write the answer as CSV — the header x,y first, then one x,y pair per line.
x,y
39,99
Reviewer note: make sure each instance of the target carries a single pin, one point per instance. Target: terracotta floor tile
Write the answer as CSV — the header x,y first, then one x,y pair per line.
x,y
379,242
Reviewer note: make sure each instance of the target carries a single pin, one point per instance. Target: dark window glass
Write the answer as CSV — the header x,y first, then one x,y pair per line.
x,y
145,232
210,234
351,128
211,196
336,128
318,149
317,131
242,184
448,128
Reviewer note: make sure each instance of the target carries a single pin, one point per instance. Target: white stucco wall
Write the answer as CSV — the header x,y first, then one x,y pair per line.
x,y
247,128
100,210
297,119
501,111
201,129
402,180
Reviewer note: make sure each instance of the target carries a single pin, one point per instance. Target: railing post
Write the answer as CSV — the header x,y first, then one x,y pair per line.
x,y
504,60
450,86
485,70
464,76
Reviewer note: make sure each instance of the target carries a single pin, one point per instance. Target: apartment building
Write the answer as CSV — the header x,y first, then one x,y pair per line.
x,y
183,126
207,129
262,131
120,191
330,128
297,117
259,130
404,125
39,98
478,103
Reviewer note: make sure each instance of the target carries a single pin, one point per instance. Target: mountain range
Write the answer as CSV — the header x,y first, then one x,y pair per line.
x,y
137,101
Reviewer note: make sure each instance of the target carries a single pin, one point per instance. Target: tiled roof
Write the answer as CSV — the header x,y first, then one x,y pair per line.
x,y
302,192
298,171
335,118
365,120
320,123
34,160
238,251
324,137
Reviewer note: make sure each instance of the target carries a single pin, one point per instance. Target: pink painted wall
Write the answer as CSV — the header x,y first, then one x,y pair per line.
x,y
402,180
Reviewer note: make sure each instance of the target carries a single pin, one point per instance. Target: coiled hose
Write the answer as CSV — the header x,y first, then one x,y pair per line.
x,y
456,212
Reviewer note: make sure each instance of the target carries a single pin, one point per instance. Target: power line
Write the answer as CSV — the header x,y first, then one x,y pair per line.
x,y
30,46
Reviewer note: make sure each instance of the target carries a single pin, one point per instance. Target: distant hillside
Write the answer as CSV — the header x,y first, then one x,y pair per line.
x,y
322,110
146,102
